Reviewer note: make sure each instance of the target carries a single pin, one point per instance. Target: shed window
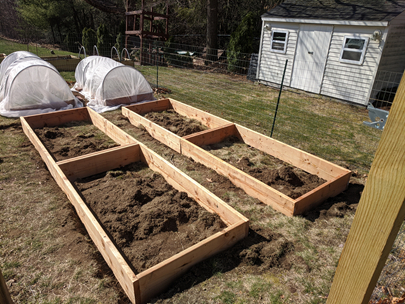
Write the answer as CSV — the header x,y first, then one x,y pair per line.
x,y
353,50
279,41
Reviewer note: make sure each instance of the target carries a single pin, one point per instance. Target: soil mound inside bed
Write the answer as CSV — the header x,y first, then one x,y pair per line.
x,y
176,123
270,170
73,139
147,218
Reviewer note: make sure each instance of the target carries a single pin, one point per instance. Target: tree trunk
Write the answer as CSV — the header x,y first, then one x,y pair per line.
x,y
212,30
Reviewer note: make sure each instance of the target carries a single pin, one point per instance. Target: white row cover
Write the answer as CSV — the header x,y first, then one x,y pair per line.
x,y
13,57
108,84
30,85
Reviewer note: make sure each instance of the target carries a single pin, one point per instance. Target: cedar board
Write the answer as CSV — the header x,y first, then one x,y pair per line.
x,y
337,178
142,286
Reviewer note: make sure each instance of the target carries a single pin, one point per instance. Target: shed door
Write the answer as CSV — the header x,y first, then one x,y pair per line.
x,y
310,58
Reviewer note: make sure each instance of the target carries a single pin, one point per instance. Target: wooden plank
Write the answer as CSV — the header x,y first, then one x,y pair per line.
x,y
207,119
211,136
151,106
379,215
98,162
313,198
110,129
159,277
5,297
164,136
183,182
250,185
120,268
291,155
54,119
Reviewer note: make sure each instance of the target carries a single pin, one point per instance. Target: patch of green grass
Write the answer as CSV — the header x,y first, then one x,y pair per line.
x,y
227,297
259,288
8,47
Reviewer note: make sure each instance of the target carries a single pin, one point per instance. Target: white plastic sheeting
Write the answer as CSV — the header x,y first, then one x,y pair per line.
x,y
13,57
80,70
30,86
107,84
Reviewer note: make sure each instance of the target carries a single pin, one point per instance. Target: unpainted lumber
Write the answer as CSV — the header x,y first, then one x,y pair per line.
x,y
158,278
249,184
212,136
164,136
298,158
183,182
100,161
57,118
115,261
337,177
207,119
111,130
379,215
156,106
4,293
316,196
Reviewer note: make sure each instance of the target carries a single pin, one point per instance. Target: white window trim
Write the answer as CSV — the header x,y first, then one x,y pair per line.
x,y
285,42
363,51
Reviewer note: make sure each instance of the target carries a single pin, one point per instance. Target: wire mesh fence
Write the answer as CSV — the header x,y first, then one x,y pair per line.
x,y
231,86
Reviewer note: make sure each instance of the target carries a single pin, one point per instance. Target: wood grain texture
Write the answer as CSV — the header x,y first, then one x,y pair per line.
x,y
296,157
249,184
211,136
111,255
158,278
54,119
101,161
110,129
380,213
4,293
161,134
151,106
207,119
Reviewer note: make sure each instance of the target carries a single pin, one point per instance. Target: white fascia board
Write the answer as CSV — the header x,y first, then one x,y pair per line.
x,y
332,22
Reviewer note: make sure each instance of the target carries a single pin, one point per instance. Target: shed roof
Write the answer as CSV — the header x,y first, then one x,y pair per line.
x,y
347,10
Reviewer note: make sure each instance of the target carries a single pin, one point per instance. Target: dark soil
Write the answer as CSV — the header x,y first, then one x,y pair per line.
x,y
147,218
176,123
74,139
270,170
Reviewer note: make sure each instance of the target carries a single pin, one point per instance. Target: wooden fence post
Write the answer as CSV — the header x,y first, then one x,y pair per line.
x,y
379,215
4,294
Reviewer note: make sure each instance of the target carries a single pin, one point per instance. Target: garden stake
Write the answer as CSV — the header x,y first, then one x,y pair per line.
x,y
278,99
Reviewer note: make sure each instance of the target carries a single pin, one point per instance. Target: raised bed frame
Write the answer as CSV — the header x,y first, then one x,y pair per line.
x,y
337,178
142,286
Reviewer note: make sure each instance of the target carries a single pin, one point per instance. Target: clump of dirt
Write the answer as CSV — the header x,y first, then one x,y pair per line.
x,y
146,217
272,171
176,123
74,139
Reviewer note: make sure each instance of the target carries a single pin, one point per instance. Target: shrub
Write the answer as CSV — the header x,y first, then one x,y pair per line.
x,y
241,42
89,39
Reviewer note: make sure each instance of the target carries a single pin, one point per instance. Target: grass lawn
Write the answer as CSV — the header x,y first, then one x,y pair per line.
x,y
7,47
47,256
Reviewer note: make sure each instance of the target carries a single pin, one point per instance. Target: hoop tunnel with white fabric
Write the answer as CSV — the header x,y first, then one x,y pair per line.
x,y
106,83
30,85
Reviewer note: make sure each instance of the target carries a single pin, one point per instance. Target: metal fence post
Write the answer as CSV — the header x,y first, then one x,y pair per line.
x,y
278,99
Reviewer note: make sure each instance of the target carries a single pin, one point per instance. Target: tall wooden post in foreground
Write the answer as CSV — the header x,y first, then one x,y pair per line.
x,y
379,215
4,294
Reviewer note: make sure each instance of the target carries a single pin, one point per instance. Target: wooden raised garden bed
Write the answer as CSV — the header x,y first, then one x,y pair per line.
x,y
142,286
336,177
